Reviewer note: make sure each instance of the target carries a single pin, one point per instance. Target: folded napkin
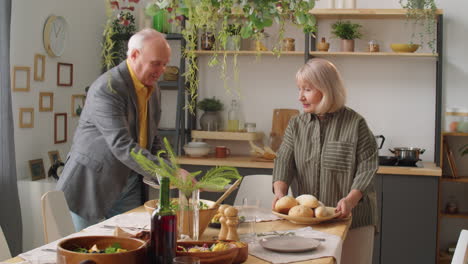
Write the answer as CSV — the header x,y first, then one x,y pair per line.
x,y
331,247
261,215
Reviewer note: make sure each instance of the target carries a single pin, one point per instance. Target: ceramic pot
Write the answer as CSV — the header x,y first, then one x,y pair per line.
x,y
347,45
210,121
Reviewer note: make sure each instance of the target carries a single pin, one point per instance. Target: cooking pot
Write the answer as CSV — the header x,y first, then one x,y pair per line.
x,y
407,154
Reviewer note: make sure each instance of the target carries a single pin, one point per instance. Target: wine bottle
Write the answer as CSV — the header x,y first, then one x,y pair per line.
x,y
163,228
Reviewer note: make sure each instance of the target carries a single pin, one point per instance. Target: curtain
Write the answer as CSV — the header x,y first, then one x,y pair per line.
x,y
10,211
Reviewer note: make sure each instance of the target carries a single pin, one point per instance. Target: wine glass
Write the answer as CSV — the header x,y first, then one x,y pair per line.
x,y
249,211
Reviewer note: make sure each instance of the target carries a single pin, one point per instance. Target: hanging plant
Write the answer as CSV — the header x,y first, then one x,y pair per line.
x,y
249,17
422,13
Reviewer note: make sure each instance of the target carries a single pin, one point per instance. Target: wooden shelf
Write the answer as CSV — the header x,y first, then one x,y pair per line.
x,y
459,215
455,134
362,13
449,179
386,54
224,135
248,52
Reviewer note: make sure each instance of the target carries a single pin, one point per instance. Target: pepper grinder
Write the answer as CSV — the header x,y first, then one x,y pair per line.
x,y
232,221
223,232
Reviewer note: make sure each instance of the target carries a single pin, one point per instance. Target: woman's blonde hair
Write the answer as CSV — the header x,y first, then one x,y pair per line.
x,y
324,76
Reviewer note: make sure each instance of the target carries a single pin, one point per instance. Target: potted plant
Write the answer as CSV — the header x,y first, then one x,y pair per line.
x,y
422,13
210,120
347,32
234,37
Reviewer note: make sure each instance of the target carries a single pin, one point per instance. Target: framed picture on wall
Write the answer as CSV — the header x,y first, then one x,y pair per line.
x,y
54,156
21,78
37,169
64,74
39,67
77,103
46,102
26,117
60,128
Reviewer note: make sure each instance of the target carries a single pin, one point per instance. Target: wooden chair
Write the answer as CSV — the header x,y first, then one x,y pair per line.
x,y
56,217
4,249
460,255
256,186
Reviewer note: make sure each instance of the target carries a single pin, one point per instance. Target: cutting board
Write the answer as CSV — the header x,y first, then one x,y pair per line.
x,y
280,122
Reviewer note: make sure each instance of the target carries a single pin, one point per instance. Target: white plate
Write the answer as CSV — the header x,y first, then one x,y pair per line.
x,y
289,243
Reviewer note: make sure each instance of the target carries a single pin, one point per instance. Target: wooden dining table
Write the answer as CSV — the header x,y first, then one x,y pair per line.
x,y
335,227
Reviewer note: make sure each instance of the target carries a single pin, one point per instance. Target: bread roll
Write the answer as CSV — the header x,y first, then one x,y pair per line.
x,y
321,211
308,200
284,204
301,210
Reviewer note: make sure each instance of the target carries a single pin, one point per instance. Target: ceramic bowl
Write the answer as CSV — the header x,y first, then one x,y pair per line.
x,y
196,144
205,215
136,250
211,257
404,47
196,151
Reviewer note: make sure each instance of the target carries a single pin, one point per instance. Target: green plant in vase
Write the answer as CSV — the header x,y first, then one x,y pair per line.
x,y
214,179
423,14
347,32
210,120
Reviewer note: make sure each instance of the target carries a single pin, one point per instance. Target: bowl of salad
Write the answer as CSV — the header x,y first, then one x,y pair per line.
x,y
102,250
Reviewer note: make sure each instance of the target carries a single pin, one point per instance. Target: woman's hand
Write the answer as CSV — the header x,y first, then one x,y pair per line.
x,y
280,189
345,207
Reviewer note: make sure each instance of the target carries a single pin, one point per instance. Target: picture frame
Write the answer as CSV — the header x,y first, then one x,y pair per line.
x,y
37,169
24,121
77,100
46,102
54,156
21,78
64,74
39,67
60,128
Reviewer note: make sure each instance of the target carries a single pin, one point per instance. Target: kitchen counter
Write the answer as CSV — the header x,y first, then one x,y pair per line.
x,y
428,169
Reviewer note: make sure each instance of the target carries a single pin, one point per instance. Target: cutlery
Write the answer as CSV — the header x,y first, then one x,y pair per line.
x,y
126,227
48,250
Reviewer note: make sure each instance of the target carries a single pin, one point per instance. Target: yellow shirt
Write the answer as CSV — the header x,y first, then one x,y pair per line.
x,y
143,94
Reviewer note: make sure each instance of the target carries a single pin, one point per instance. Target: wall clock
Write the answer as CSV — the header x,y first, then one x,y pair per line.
x,y
55,35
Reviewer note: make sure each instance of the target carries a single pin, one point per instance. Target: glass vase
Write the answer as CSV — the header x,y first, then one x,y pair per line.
x,y
188,216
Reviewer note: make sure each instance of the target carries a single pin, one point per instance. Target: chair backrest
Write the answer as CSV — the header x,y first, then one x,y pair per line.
x,y
56,217
256,186
4,249
460,255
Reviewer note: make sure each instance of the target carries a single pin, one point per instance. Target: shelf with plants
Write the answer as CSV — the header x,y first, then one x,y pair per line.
x,y
363,13
388,54
248,52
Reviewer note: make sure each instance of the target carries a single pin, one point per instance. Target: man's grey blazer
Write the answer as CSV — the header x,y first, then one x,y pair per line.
x,y
99,162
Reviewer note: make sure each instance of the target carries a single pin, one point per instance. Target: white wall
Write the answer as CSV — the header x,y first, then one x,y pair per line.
x,y
85,21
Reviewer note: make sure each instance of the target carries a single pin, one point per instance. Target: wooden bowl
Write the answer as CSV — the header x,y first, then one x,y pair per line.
x,y
205,215
136,250
213,257
404,47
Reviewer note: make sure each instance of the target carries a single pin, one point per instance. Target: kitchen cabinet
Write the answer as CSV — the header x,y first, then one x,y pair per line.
x,y
408,219
447,179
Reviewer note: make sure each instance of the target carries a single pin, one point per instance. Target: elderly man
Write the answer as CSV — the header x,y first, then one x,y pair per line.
x,y
100,179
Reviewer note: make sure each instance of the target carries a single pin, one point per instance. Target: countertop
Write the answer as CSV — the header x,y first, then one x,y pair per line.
x,y
428,168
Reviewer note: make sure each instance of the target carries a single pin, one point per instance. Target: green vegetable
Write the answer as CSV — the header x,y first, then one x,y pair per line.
x,y
214,179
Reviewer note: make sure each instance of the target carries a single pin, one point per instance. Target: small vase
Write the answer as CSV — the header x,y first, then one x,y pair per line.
x,y
323,45
233,42
188,216
347,45
210,121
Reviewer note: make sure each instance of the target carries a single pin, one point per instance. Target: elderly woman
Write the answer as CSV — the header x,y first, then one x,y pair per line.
x,y
331,153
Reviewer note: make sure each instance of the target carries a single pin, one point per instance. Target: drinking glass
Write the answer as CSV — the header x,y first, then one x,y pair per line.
x,y
186,260
249,210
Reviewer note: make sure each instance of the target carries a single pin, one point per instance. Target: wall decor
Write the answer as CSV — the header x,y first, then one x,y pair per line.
x,y
54,156
64,74
46,102
39,67
60,128
37,169
77,103
55,35
21,78
26,117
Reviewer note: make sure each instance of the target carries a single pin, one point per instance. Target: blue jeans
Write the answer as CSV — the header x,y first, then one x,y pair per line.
x,y
129,199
